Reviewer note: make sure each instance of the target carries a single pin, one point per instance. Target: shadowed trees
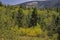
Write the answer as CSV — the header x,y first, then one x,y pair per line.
x,y
33,19
20,17
1,3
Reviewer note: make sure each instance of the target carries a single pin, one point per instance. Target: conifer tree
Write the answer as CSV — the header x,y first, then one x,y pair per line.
x,y
20,17
1,3
33,20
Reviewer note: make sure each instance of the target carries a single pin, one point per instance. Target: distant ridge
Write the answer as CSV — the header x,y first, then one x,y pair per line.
x,y
40,4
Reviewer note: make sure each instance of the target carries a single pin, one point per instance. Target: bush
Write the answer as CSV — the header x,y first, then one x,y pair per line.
x,y
33,31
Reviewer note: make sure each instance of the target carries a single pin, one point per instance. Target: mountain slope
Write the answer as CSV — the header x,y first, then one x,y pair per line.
x,y
40,4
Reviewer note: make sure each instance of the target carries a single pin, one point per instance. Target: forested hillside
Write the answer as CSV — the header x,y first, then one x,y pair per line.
x,y
19,23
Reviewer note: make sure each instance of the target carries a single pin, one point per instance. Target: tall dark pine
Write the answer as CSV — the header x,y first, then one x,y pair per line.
x,y
1,3
19,17
58,31
33,20
57,23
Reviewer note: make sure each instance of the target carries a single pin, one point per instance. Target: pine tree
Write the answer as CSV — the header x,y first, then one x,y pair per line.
x,y
20,17
33,20
1,3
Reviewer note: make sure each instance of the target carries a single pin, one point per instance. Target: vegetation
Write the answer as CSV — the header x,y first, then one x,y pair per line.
x,y
18,23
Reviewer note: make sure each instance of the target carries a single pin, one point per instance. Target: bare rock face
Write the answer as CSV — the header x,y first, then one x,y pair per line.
x,y
32,4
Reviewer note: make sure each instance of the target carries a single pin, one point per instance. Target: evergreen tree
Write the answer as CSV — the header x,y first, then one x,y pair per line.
x,y
33,20
1,3
20,17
